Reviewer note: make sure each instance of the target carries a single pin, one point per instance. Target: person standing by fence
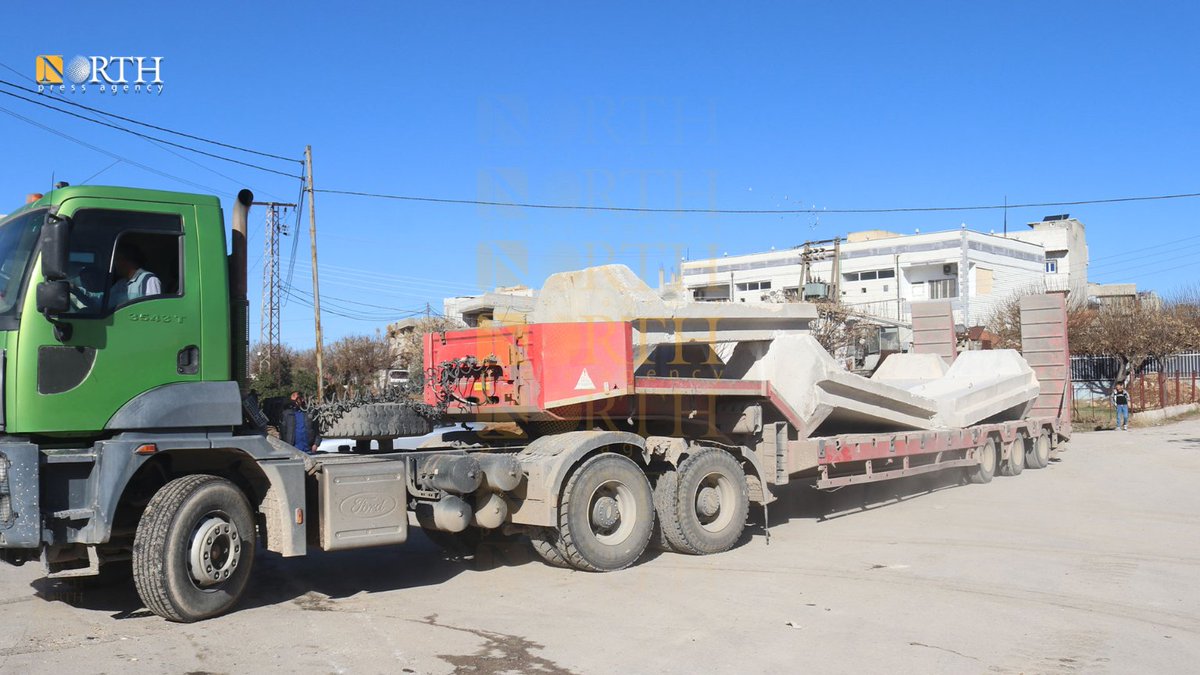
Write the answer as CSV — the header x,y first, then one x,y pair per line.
x,y
1120,399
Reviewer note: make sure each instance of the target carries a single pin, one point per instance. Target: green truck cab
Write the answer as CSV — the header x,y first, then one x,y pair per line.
x,y
123,338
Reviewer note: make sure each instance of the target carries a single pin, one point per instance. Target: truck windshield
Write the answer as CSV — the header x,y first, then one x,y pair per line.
x,y
18,237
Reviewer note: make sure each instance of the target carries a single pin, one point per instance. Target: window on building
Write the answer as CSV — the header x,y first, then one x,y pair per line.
x,y
887,274
867,276
850,276
885,288
1051,267
943,288
754,286
983,281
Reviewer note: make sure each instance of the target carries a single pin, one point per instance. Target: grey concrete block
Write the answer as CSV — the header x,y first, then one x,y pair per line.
x,y
983,386
829,399
910,370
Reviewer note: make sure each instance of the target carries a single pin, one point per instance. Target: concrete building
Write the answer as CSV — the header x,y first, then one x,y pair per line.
x,y
1065,242
1120,295
509,304
880,273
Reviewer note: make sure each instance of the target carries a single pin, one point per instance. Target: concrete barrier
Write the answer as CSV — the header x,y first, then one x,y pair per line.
x,y
1164,414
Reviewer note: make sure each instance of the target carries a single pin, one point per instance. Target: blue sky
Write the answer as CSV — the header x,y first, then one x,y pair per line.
x,y
728,105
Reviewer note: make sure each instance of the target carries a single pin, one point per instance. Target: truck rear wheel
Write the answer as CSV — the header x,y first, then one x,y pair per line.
x,y
545,545
982,472
707,513
666,486
606,515
194,548
1037,456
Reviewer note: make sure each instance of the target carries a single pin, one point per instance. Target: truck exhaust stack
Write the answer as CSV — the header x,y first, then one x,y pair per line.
x,y
238,303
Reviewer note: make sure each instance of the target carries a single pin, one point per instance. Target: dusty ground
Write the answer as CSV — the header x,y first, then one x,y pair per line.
x,y
1091,565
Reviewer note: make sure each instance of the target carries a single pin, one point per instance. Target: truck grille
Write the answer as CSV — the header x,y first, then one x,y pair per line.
x,y
6,512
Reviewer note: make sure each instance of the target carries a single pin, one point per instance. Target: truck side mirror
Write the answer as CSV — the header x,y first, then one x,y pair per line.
x,y
55,249
54,297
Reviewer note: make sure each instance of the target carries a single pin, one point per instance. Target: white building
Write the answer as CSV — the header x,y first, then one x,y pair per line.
x,y
880,273
505,305
1065,242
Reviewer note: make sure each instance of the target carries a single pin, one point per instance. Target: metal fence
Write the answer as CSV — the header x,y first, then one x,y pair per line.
x,y
1157,384
1099,368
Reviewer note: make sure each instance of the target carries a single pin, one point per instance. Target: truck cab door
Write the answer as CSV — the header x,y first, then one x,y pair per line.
x,y
134,322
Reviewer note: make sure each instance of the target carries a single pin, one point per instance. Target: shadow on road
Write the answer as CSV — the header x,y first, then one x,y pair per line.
x,y
800,500
313,581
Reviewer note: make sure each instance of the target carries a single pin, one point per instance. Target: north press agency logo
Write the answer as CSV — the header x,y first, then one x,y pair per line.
x,y
105,74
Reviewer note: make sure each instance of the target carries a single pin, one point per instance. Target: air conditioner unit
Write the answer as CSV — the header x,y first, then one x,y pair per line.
x,y
949,269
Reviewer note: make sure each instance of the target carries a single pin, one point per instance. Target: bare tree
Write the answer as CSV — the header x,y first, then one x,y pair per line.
x,y
409,345
353,363
837,327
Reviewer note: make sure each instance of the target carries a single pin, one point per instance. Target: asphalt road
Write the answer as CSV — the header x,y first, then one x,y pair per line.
x,y
1090,565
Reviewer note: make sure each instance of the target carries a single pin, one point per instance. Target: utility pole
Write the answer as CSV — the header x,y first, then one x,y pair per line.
x,y
312,235
837,269
268,337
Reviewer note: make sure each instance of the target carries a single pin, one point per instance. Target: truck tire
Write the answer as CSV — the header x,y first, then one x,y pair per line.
x,y
982,472
710,505
666,487
545,545
194,549
379,420
1015,463
606,515
1037,456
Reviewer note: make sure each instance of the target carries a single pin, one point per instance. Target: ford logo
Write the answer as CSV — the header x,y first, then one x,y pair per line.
x,y
367,505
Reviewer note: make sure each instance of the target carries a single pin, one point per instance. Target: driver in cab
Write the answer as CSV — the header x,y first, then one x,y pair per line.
x,y
132,281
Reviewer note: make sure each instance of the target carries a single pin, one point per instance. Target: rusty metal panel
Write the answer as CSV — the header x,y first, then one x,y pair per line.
x,y
533,367
933,329
1044,345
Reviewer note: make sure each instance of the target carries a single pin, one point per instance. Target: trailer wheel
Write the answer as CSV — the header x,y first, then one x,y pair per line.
x,y
708,513
982,472
194,548
545,545
606,515
1016,458
1037,455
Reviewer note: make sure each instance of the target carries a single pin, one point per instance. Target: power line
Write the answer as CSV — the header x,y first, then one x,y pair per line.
x,y
1126,260
638,209
154,126
113,155
148,137
1123,270
1146,248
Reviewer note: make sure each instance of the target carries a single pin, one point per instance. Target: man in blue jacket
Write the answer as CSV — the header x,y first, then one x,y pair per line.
x,y
298,428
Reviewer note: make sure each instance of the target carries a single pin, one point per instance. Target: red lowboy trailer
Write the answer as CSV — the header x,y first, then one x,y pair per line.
x,y
616,428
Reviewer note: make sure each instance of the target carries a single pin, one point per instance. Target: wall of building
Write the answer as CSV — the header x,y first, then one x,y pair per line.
x,y
881,275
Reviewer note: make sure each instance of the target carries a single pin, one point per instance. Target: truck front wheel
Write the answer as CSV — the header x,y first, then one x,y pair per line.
x,y
606,514
194,548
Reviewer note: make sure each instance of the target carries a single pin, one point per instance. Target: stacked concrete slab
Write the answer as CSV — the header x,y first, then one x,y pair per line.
x,y
615,293
829,399
910,370
772,343
983,386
